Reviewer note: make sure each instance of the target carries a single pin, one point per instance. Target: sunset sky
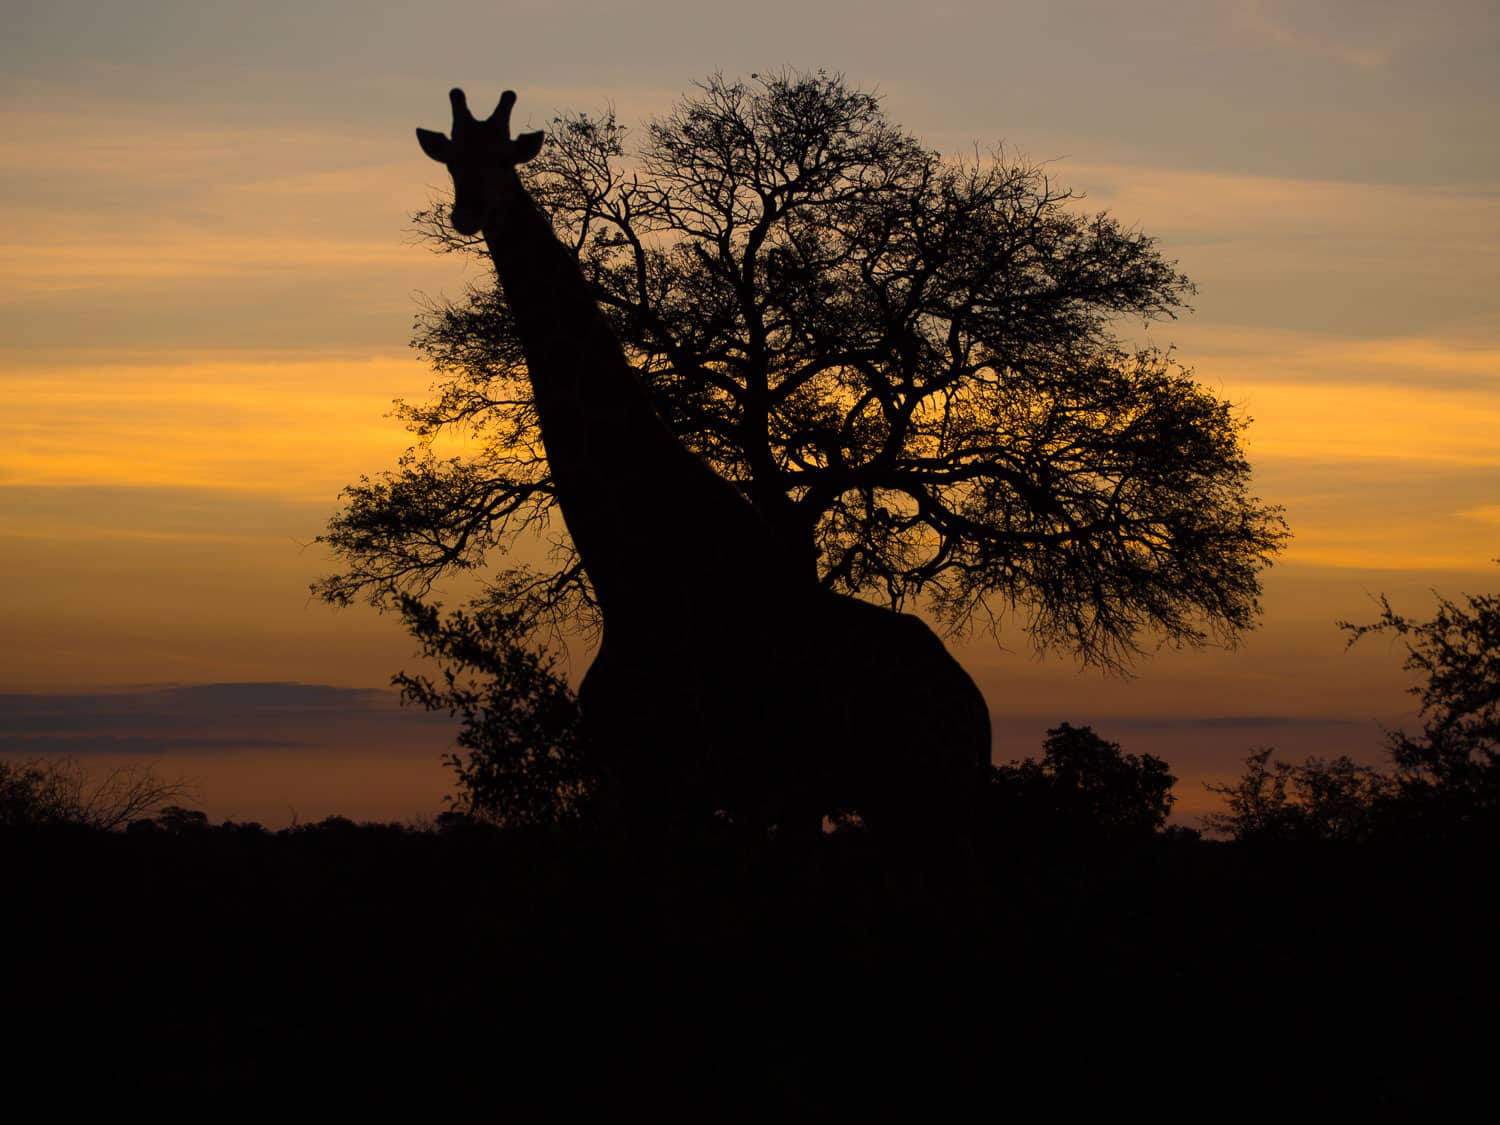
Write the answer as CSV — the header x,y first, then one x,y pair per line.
x,y
208,278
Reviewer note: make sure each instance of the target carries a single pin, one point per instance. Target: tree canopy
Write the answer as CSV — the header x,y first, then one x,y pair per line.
x,y
907,362
1084,790
1320,799
1450,773
1446,781
522,763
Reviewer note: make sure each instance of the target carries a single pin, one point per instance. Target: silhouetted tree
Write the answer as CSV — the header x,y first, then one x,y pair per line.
x,y
1084,790
180,821
522,762
55,791
905,362
1449,775
1320,799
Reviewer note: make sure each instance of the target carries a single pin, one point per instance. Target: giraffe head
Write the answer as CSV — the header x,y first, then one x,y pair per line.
x,y
481,156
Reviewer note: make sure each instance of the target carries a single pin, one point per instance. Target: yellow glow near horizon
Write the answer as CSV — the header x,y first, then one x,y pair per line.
x,y
292,427
302,426
1387,423
182,254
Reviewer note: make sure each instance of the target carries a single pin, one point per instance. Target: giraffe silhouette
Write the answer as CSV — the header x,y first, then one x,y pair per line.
x,y
728,682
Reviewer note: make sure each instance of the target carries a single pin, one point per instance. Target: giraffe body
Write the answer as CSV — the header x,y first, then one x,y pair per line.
x,y
727,680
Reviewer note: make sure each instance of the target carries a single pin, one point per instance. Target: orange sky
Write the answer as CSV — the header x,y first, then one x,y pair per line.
x,y
207,281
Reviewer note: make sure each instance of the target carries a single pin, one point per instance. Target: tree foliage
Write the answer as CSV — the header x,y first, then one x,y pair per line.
x,y
1445,782
1083,790
48,792
1321,799
522,763
906,362
1451,769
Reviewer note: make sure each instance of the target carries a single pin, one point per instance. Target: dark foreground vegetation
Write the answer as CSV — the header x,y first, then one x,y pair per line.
x,y
1333,959
343,973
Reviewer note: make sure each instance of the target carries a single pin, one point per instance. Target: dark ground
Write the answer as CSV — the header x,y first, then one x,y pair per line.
x,y
345,974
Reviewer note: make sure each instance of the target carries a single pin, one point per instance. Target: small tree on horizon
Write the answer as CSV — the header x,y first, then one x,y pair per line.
x,y
522,764
1448,777
47,792
1445,782
1083,790
1321,799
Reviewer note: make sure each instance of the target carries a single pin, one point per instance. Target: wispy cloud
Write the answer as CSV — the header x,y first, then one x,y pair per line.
x,y
1367,423
1271,23
1428,363
204,717
155,253
1343,257
1489,513
272,751
290,425
135,746
1393,509
146,225
1225,722
1193,206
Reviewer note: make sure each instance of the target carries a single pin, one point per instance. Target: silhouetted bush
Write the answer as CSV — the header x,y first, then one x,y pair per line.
x,y
1084,791
175,818
1447,779
62,791
1317,800
523,763
1445,782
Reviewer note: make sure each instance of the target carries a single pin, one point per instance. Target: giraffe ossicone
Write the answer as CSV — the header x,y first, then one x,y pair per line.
x,y
727,680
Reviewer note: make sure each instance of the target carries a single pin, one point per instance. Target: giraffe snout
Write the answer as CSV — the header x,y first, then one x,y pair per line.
x,y
467,220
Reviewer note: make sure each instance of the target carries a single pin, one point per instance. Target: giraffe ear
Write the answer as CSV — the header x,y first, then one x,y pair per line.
x,y
433,144
528,145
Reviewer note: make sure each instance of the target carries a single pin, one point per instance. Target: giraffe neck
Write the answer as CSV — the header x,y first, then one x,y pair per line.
x,y
648,517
